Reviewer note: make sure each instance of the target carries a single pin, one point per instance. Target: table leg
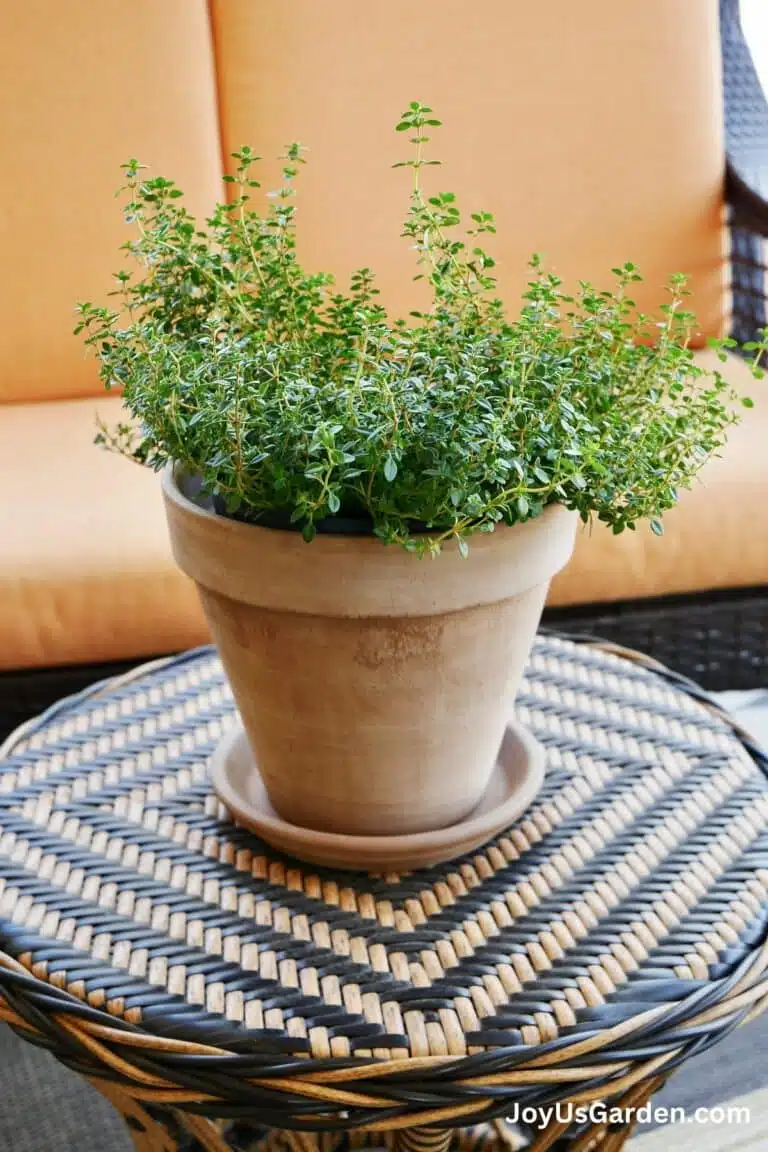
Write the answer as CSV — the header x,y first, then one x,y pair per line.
x,y
603,1138
422,1139
156,1129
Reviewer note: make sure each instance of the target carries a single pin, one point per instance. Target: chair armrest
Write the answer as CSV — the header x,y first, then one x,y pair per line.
x,y
746,176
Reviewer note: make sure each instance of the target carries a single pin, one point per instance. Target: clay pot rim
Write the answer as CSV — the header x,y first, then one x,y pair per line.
x,y
357,576
336,541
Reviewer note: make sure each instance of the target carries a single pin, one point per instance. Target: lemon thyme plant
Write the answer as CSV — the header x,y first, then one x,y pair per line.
x,y
290,398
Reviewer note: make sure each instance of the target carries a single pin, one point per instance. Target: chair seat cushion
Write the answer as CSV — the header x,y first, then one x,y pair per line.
x,y
86,572
87,575
717,536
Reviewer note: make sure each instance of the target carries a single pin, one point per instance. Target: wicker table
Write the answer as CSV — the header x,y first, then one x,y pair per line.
x,y
213,989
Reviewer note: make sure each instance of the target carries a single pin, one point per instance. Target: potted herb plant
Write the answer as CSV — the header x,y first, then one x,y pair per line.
x,y
373,508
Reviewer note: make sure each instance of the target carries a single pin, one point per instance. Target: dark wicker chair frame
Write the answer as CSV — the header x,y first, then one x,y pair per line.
x,y
719,639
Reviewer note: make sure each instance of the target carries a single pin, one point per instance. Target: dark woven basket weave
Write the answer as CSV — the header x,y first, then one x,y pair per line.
x,y
183,964
746,128
29,691
718,639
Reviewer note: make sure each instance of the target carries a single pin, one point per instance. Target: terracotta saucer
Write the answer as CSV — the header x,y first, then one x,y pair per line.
x,y
515,782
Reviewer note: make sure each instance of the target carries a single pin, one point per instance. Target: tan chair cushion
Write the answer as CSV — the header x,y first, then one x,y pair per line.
x,y
717,537
87,86
592,130
86,572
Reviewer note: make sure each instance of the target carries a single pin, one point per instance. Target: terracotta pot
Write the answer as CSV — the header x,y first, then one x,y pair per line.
x,y
374,686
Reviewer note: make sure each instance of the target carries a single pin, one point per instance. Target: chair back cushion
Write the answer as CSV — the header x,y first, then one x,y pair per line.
x,y
88,86
592,130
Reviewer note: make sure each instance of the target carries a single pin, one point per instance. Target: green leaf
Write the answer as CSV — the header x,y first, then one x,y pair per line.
x,y
657,527
390,469
522,506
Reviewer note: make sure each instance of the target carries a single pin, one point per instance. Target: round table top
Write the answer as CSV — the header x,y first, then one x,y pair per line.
x,y
630,899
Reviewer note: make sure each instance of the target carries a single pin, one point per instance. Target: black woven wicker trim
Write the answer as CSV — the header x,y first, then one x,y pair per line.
x,y
717,638
746,128
26,692
746,111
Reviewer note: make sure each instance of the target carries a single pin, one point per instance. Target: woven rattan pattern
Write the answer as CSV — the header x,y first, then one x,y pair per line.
x,y
624,914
